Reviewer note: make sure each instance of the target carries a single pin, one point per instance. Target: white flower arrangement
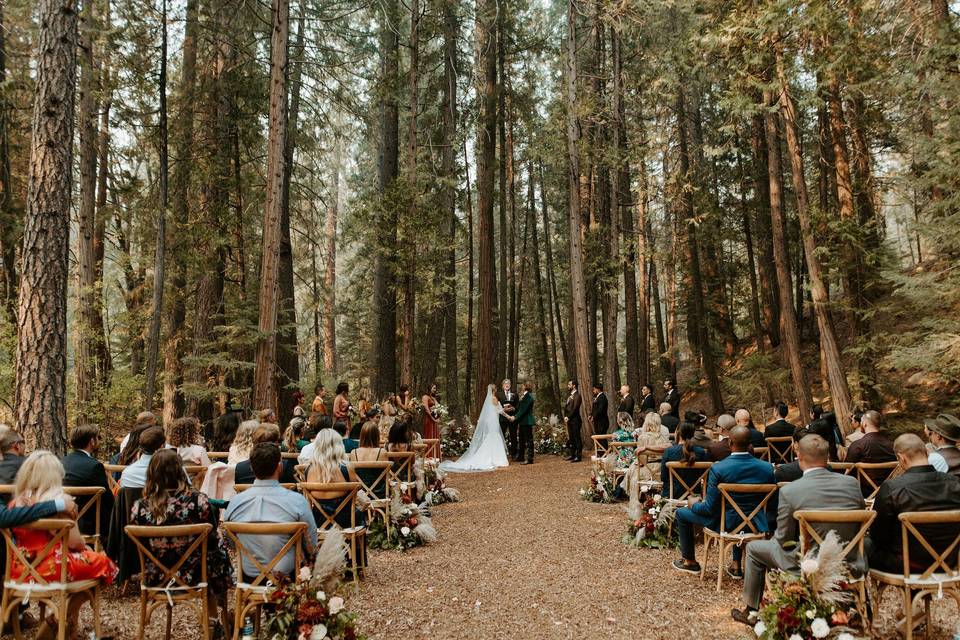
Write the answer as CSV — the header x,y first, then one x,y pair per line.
x,y
820,628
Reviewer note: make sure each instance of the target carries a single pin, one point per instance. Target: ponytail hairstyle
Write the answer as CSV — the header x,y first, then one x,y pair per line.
x,y
685,434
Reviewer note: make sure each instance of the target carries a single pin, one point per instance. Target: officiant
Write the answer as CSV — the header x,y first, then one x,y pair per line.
x,y
508,400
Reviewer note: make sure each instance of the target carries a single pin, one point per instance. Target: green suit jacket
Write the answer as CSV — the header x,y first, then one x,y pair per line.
x,y
524,414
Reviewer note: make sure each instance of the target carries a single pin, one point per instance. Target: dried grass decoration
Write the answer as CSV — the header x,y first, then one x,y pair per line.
x,y
650,520
410,526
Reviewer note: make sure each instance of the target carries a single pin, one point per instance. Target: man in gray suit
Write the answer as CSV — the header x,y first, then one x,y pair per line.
x,y
819,488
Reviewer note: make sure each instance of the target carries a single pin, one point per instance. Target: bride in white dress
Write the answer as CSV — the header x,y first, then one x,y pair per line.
x,y
487,450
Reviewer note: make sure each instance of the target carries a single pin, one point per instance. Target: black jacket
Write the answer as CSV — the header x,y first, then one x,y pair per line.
x,y
648,403
512,401
601,421
673,398
571,408
627,405
82,470
779,429
243,473
671,422
9,466
918,489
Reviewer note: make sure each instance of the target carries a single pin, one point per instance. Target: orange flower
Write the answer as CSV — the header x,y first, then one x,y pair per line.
x,y
840,617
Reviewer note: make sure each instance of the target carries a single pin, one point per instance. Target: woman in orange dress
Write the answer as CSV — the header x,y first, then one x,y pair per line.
x,y
341,405
40,479
429,401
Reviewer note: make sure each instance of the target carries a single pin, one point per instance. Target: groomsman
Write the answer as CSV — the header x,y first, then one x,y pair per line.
x,y
598,417
672,397
525,421
627,403
508,400
647,401
571,414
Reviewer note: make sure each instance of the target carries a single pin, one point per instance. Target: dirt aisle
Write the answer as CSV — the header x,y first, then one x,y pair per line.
x,y
523,557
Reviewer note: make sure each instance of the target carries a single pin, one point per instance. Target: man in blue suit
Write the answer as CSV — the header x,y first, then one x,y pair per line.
x,y
741,468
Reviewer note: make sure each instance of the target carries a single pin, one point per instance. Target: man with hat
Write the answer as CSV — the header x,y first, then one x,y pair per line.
x,y
943,432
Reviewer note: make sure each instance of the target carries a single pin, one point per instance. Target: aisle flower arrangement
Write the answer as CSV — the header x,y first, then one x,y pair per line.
x,y
308,608
434,488
550,437
601,488
813,604
650,522
410,526
455,437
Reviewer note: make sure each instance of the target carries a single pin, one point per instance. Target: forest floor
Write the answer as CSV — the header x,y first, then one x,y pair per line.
x,y
523,556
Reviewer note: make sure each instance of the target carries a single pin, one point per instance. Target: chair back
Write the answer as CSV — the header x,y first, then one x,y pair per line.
x,y
433,447
197,536
300,472
920,554
218,455
420,449
615,446
762,453
240,488
347,501
846,468
780,449
293,531
402,465
810,533
872,474
374,477
692,478
195,472
89,502
601,443
58,530
112,482
290,455
728,493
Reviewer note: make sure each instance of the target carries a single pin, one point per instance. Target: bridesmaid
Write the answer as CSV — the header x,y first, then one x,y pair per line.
x,y
341,405
429,401
404,399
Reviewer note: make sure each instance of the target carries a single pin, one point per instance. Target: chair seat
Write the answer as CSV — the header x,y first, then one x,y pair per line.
x,y
378,503
27,588
348,532
898,579
253,590
734,536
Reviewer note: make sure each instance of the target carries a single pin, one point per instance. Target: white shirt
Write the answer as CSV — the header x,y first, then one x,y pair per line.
x,y
135,475
938,462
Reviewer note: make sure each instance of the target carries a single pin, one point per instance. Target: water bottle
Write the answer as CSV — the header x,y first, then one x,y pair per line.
x,y
247,629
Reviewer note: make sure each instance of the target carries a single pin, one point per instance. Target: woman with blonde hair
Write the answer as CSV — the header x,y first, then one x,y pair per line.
x,y
327,465
185,438
40,479
243,442
650,440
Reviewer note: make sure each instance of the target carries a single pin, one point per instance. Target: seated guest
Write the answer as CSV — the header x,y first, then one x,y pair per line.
x,y
82,469
701,438
744,419
266,432
322,422
243,442
145,420
720,449
130,451
824,429
684,451
293,440
267,415
919,488
134,476
781,428
401,436
185,438
943,432
650,442
13,448
670,421
623,433
168,500
369,449
267,501
40,480
349,444
225,430
791,471
818,488
740,468
328,464
856,427
873,447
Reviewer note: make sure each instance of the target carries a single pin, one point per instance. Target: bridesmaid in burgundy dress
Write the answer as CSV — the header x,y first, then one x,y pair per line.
x,y
429,401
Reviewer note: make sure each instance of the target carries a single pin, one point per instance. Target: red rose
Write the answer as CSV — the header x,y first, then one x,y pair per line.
x,y
839,618
412,523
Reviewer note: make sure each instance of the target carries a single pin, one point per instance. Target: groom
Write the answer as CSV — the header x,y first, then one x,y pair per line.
x,y
508,400
525,420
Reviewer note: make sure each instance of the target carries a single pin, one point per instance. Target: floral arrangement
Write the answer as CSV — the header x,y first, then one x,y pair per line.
x,y
813,604
650,521
455,437
440,411
550,437
601,488
431,482
410,526
301,609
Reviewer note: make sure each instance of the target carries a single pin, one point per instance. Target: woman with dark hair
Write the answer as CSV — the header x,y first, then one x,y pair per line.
x,y
684,451
341,405
298,410
430,424
185,438
131,451
404,399
225,430
169,500
401,436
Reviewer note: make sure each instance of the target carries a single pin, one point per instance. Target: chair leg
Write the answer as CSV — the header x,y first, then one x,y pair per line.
x,y
706,555
62,606
205,614
95,605
908,614
166,633
237,614
926,610
722,553
143,616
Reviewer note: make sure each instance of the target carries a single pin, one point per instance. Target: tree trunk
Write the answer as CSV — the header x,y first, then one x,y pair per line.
x,y
40,398
264,391
8,216
486,34
409,275
751,264
552,303
468,369
769,287
547,382
788,321
515,316
384,354
330,361
451,29
156,309
575,214
503,329
642,284
839,391
104,357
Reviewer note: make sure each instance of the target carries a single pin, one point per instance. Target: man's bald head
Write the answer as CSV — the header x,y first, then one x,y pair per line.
x,y
910,450
739,438
813,451
871,421
725,422
743,417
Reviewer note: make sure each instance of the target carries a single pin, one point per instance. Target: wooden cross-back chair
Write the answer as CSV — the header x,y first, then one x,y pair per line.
x,y
674,478
251,591
614,448
240,488
289,455
196,473
374,479
420,449
762,453
809,536
31,585
300,472
780,450
433,447
744,532
114,483
941,574
402,474
218,455
355,535
601,442
864,472
93,502
172,589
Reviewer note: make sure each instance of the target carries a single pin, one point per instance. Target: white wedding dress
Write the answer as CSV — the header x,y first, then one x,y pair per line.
x,y
487,450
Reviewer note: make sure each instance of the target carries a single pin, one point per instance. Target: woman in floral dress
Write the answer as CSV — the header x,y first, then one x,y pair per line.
x,y
169,500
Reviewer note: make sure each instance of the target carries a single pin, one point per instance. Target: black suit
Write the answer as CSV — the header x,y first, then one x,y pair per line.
x,y
648,403
571,410
510,433
601,421
671,422
673,398
83,470
243,473
9,466
627,405
779,429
